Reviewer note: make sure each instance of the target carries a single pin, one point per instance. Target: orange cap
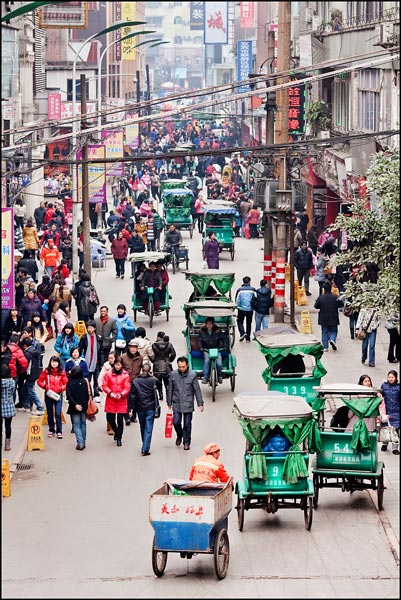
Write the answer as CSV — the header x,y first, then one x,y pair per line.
x,y
210,448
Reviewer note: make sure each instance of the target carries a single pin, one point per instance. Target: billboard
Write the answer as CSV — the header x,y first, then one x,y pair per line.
x,y
71,15
196,15
7,258
128,13
114,144
244,63
247,15
216,23
96,175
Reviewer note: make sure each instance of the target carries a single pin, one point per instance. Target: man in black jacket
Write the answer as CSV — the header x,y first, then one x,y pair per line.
x,y
303,264
328,305
261,304
142,398
106,327
211,337
90,347
34,369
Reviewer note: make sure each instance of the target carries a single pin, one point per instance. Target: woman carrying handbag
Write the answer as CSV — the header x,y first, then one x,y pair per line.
x,y
54,381
78,395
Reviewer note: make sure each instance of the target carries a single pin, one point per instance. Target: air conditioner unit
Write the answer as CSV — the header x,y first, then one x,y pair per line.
x,y
308,15
315,22
384,32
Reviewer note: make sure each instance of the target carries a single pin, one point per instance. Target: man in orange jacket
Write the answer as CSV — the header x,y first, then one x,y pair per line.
x,y
208,468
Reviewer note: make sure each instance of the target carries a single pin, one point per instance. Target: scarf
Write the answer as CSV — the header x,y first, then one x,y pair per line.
x,y
91,352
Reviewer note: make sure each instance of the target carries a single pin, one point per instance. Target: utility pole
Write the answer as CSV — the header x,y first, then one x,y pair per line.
x,y
283,196
85,183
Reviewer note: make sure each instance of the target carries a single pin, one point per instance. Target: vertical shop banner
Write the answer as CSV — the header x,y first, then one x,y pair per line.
x,y
244,63
274,27
54,106
296,107
128,13
114,144
216,23
247,15
132,133
7,258
197,15
96,175
117,45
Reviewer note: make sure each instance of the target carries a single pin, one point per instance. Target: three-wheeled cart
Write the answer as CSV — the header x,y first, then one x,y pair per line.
x,y
348,457
218,218
274,480
177,209
189,518
144,258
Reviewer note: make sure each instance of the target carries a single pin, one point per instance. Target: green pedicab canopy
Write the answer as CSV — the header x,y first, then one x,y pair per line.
x,y
258,414
279,341
359,399
201,280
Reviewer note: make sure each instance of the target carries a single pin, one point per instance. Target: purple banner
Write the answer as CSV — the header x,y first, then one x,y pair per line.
x,y
7,258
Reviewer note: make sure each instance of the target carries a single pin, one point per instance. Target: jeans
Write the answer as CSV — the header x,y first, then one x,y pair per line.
x,y
95,375
261,321
146,420
29,395
51,407
49,271
303,274
152,245
118,427
328,333
200,217
79,425
183,432
206,364
120,266
247,315
369,343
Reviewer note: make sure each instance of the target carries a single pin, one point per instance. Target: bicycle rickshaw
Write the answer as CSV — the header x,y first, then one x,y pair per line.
x,y
293,360
348,459
177,207
172,184
145,258
218,217
275,469
191,517
183,256
216,285
224,314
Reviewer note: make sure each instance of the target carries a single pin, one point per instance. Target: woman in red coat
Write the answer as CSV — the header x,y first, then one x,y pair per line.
x,y
54,378
119,250
116,385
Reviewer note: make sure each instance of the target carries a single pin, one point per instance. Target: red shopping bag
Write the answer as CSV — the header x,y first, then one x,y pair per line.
x,y
168,429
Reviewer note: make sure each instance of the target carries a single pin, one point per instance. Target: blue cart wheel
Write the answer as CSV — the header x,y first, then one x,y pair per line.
x,y
159,560
221,554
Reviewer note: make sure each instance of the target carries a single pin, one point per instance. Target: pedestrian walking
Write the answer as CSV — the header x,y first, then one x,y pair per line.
x,y
30,236
303,263
62,316
78,394
50,257
12,324
54,381
392,325
125,329
183,389
119,250
211,251
142,398
261,304
116,386
90,347
76,360
200,212
368,322
320,275
132,362
107,367
163,355
65,341
243,298
87,299
29,305
391,394
30,399
328,305
8,410
144,345
135,244
106,327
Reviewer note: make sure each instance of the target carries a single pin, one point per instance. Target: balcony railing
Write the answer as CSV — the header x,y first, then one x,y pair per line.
x,y
390,14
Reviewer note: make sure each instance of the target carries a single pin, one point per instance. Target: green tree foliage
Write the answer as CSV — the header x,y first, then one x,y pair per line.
x,y
375,235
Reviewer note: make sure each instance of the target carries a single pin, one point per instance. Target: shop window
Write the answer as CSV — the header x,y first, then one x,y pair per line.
x,y
341,105
369,99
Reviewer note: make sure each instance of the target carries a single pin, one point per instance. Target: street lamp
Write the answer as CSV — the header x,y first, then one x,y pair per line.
x,y
109,29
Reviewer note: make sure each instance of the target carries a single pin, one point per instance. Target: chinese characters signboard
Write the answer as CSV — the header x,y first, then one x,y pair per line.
x,y
54,106
132,132
247,15
96,175
7,258
296,108
244,63
114,143
71,15
197,10
128,12
216,23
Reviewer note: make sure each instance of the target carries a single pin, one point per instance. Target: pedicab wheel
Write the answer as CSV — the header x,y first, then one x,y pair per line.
x,y
232,380
151,313
186,261
316,488
232,336
173,263
191,233
213,383
221,554
167,314
159,560
134,315
232,252
308,513
380,491
240,513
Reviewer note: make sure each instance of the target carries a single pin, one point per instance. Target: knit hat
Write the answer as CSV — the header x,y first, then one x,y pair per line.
x,y
210,448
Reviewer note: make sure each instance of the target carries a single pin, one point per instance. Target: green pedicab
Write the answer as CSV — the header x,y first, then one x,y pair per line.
x,y
172,184
276,479
223,313
212,284
293,360
177,208
146,258
218,217
348,458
